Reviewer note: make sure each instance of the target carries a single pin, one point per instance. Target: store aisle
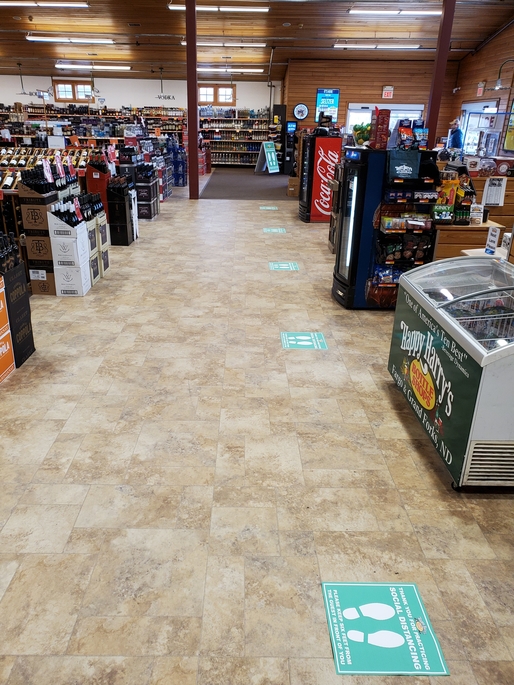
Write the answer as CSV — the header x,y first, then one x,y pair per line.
x,y
175,485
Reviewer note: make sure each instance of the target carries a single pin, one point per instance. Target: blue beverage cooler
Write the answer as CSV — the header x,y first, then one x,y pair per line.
x,y
383,228
361,194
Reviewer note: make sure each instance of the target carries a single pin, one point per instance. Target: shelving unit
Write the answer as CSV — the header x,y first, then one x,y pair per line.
x,y
234,141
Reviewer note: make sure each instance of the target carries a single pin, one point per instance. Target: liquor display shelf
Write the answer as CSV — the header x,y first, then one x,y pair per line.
x,y
234,141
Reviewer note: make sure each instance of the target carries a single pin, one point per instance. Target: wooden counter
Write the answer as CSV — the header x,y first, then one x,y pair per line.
x,y
451,240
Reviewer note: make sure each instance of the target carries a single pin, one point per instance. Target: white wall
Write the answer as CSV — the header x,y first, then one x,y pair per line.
x,y
137,92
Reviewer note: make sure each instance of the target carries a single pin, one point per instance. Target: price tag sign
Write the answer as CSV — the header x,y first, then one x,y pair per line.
x,y
157,131
47,171
71,168
492,240
111,152
78,211
60,166
82,172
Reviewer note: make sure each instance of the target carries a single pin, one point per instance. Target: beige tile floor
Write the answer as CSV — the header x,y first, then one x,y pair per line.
x,y
176,485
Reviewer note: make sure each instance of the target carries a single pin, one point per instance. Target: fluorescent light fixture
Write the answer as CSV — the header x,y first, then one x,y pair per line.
x,y
56,39
236,8
227,45
233,70
379,12
421,13
355,47
204,45
34,3
244,45
93,67
398,47
62,4
199,8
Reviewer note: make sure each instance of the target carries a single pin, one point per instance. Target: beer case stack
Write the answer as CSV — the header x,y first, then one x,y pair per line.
x,y
6,350
16,337
35,212
147,190
103,237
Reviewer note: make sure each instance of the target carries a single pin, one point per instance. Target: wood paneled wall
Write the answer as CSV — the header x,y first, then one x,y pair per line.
x,y
362,81
484,66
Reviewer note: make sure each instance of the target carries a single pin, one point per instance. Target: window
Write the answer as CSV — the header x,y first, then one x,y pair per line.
x,y
206,95
217,94
83,91
226,95
64,91
73,91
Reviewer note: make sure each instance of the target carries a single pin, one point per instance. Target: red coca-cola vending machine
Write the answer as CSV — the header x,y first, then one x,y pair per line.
x,y
321,153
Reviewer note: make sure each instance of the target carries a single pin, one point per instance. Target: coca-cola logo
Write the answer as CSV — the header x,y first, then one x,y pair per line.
x,y
325,168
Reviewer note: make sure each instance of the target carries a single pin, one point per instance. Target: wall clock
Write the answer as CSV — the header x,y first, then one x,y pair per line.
x,y
301,111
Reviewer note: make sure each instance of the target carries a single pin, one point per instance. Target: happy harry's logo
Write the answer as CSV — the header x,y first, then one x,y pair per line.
x,y
403,170
426,373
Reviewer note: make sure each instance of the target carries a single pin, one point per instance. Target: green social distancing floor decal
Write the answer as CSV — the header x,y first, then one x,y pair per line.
x,y
303,341
381,629
271,207
283,266
274,230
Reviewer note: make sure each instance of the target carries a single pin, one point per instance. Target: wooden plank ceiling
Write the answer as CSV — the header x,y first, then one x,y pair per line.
x,y
147,35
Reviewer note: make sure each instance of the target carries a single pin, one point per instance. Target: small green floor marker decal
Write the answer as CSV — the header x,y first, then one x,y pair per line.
x,y
303,341
381,629
274,230
283,266
271,207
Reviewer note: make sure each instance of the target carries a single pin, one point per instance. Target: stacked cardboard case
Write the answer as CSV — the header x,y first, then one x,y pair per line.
x,y
80,254
16,338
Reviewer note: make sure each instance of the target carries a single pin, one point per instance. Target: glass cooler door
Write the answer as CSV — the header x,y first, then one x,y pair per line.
x,y
477,293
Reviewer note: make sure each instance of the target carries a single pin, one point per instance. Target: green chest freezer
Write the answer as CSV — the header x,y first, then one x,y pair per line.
x,y
452,356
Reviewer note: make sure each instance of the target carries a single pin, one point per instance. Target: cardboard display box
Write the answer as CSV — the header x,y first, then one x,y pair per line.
x,y
105,263
42,281
94,268
71,251
39,249
4,317
72,281
293,186
6,356
18,308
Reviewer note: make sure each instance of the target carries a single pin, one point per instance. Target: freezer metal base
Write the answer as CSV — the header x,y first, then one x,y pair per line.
x,y
343,294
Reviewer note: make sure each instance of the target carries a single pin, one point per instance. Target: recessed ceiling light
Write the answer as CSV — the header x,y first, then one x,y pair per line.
x,y
17,18
286,23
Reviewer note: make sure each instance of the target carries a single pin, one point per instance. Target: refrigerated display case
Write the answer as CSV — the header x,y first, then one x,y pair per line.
x,y
320,154
384,227
452,355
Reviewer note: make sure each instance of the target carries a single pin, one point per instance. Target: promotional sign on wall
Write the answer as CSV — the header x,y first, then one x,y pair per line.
x,y
327,101
438,378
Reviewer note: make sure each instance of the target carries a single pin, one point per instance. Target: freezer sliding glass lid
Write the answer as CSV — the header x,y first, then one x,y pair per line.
x,y
477,293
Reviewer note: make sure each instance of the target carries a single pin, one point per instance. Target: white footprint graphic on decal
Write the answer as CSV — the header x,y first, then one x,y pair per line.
x,y
382,638
376,610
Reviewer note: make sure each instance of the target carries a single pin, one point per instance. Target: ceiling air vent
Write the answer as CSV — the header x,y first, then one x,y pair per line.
x,y
490,463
